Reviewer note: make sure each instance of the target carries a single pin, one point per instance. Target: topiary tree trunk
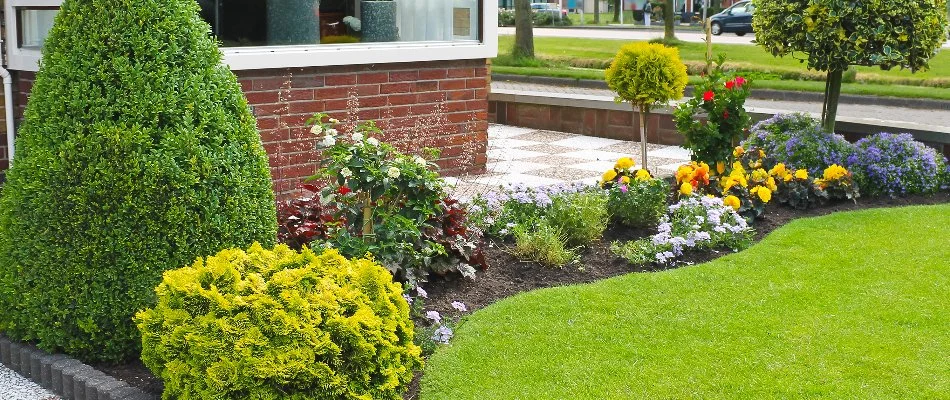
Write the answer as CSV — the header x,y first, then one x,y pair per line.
x,y
137,154
829,110
524,30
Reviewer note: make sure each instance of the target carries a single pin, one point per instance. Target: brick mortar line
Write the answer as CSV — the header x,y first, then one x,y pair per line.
x,y
65,376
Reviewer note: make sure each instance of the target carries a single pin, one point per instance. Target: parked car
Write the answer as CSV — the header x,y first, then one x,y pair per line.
x,y
551,8
737,18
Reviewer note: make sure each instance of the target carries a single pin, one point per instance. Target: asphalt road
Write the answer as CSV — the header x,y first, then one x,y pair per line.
x,y
637,34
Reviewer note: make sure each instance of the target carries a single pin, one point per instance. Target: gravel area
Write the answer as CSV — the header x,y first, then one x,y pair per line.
x,y
15,387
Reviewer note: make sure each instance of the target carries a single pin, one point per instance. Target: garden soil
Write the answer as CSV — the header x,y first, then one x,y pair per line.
x,y
507,276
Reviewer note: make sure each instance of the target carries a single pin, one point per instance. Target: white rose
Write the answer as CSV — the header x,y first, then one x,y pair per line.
x,y
393,172
419,161
316,129
373,141
346,172
357,137
331,132
328,141
334,121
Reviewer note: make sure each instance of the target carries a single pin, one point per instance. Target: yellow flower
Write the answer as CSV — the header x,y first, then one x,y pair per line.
x,y
624,163
643,175
801,174
686,188
761,153
770,183
778,171
625,179
732,201
835,172
764,194
720,167
820,183
727,183
759,175
609,175
683,172
737,166
738,152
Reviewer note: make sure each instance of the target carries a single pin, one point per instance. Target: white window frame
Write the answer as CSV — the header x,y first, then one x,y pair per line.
x,y
267,57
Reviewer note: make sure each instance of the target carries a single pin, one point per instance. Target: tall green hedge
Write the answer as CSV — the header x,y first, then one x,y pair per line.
x,y
137,154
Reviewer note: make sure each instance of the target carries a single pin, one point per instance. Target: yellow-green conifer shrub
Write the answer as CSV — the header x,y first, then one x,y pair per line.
x,y
261,324
646,75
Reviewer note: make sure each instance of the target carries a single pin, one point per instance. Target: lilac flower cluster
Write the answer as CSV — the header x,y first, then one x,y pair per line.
x,y
498,212
441,326
692,223
896,164
797,141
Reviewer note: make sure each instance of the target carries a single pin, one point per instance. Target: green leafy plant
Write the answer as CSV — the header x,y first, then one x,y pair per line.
x,y
279,324
543,244
835,34
389,204
137,153
580,217
714,120
646,75
798,141
634,197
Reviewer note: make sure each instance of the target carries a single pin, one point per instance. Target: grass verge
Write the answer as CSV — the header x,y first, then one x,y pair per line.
x,y
851,305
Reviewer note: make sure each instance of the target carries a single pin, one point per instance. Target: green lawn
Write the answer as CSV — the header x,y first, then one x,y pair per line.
x,y
585,58
853,305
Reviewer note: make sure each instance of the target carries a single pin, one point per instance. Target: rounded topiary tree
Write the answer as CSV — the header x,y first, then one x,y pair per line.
x,y
137,154
280,325
834,34
646,75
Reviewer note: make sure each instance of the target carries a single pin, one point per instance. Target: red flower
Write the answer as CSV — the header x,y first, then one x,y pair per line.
x,y
708,96
740,81
343,190
725,114
730,84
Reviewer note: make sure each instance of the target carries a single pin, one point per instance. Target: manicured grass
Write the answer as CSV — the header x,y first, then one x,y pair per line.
x,y
596,53
913,92
852,305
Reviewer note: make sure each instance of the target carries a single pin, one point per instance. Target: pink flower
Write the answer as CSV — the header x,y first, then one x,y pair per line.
x,y
708,96
740,81
623,188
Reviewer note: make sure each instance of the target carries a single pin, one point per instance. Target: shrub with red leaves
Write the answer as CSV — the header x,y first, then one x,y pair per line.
x,y
303,220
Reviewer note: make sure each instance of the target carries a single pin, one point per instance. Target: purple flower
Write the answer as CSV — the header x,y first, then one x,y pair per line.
x,y
458,305
422,293
434,316
443,334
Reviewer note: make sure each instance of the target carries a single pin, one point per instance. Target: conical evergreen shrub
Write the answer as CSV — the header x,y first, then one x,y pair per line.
x,y
136,155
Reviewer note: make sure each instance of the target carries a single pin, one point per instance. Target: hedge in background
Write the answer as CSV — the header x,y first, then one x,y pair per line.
x,y
280,325
137,154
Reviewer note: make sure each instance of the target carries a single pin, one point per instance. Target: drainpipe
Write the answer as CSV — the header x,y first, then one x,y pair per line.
x,y
8,102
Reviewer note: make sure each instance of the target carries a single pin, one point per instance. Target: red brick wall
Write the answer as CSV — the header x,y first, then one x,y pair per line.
x,y
440,104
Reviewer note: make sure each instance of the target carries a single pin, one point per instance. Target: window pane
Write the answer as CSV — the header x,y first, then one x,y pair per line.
x,y
301,22
35,25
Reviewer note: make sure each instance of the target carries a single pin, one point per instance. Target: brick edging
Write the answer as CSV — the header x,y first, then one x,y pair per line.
x,y
65,376
766,94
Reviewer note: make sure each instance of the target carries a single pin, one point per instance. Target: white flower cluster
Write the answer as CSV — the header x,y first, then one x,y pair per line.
x,y
697,222
353,22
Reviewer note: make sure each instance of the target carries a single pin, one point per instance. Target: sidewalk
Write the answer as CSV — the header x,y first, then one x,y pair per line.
x,y
909,118
532,157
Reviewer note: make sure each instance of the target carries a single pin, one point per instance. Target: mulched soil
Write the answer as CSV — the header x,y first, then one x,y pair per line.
x,y
508,276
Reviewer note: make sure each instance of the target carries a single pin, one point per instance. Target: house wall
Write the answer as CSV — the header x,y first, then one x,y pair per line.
x,y
441,104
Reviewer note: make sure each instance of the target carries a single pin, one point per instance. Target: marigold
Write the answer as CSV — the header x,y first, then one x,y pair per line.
x,y
625,179
720,167
835,172
764,194
770,183
801,174
778,171
609,175
738,151
643,175
624,163
686,188
683,172
732,201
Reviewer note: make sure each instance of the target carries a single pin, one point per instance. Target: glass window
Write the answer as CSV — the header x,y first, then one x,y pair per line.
x,y
35,24
301,22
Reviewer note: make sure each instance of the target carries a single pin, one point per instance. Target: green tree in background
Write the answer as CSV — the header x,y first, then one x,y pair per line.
x,y
833,34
